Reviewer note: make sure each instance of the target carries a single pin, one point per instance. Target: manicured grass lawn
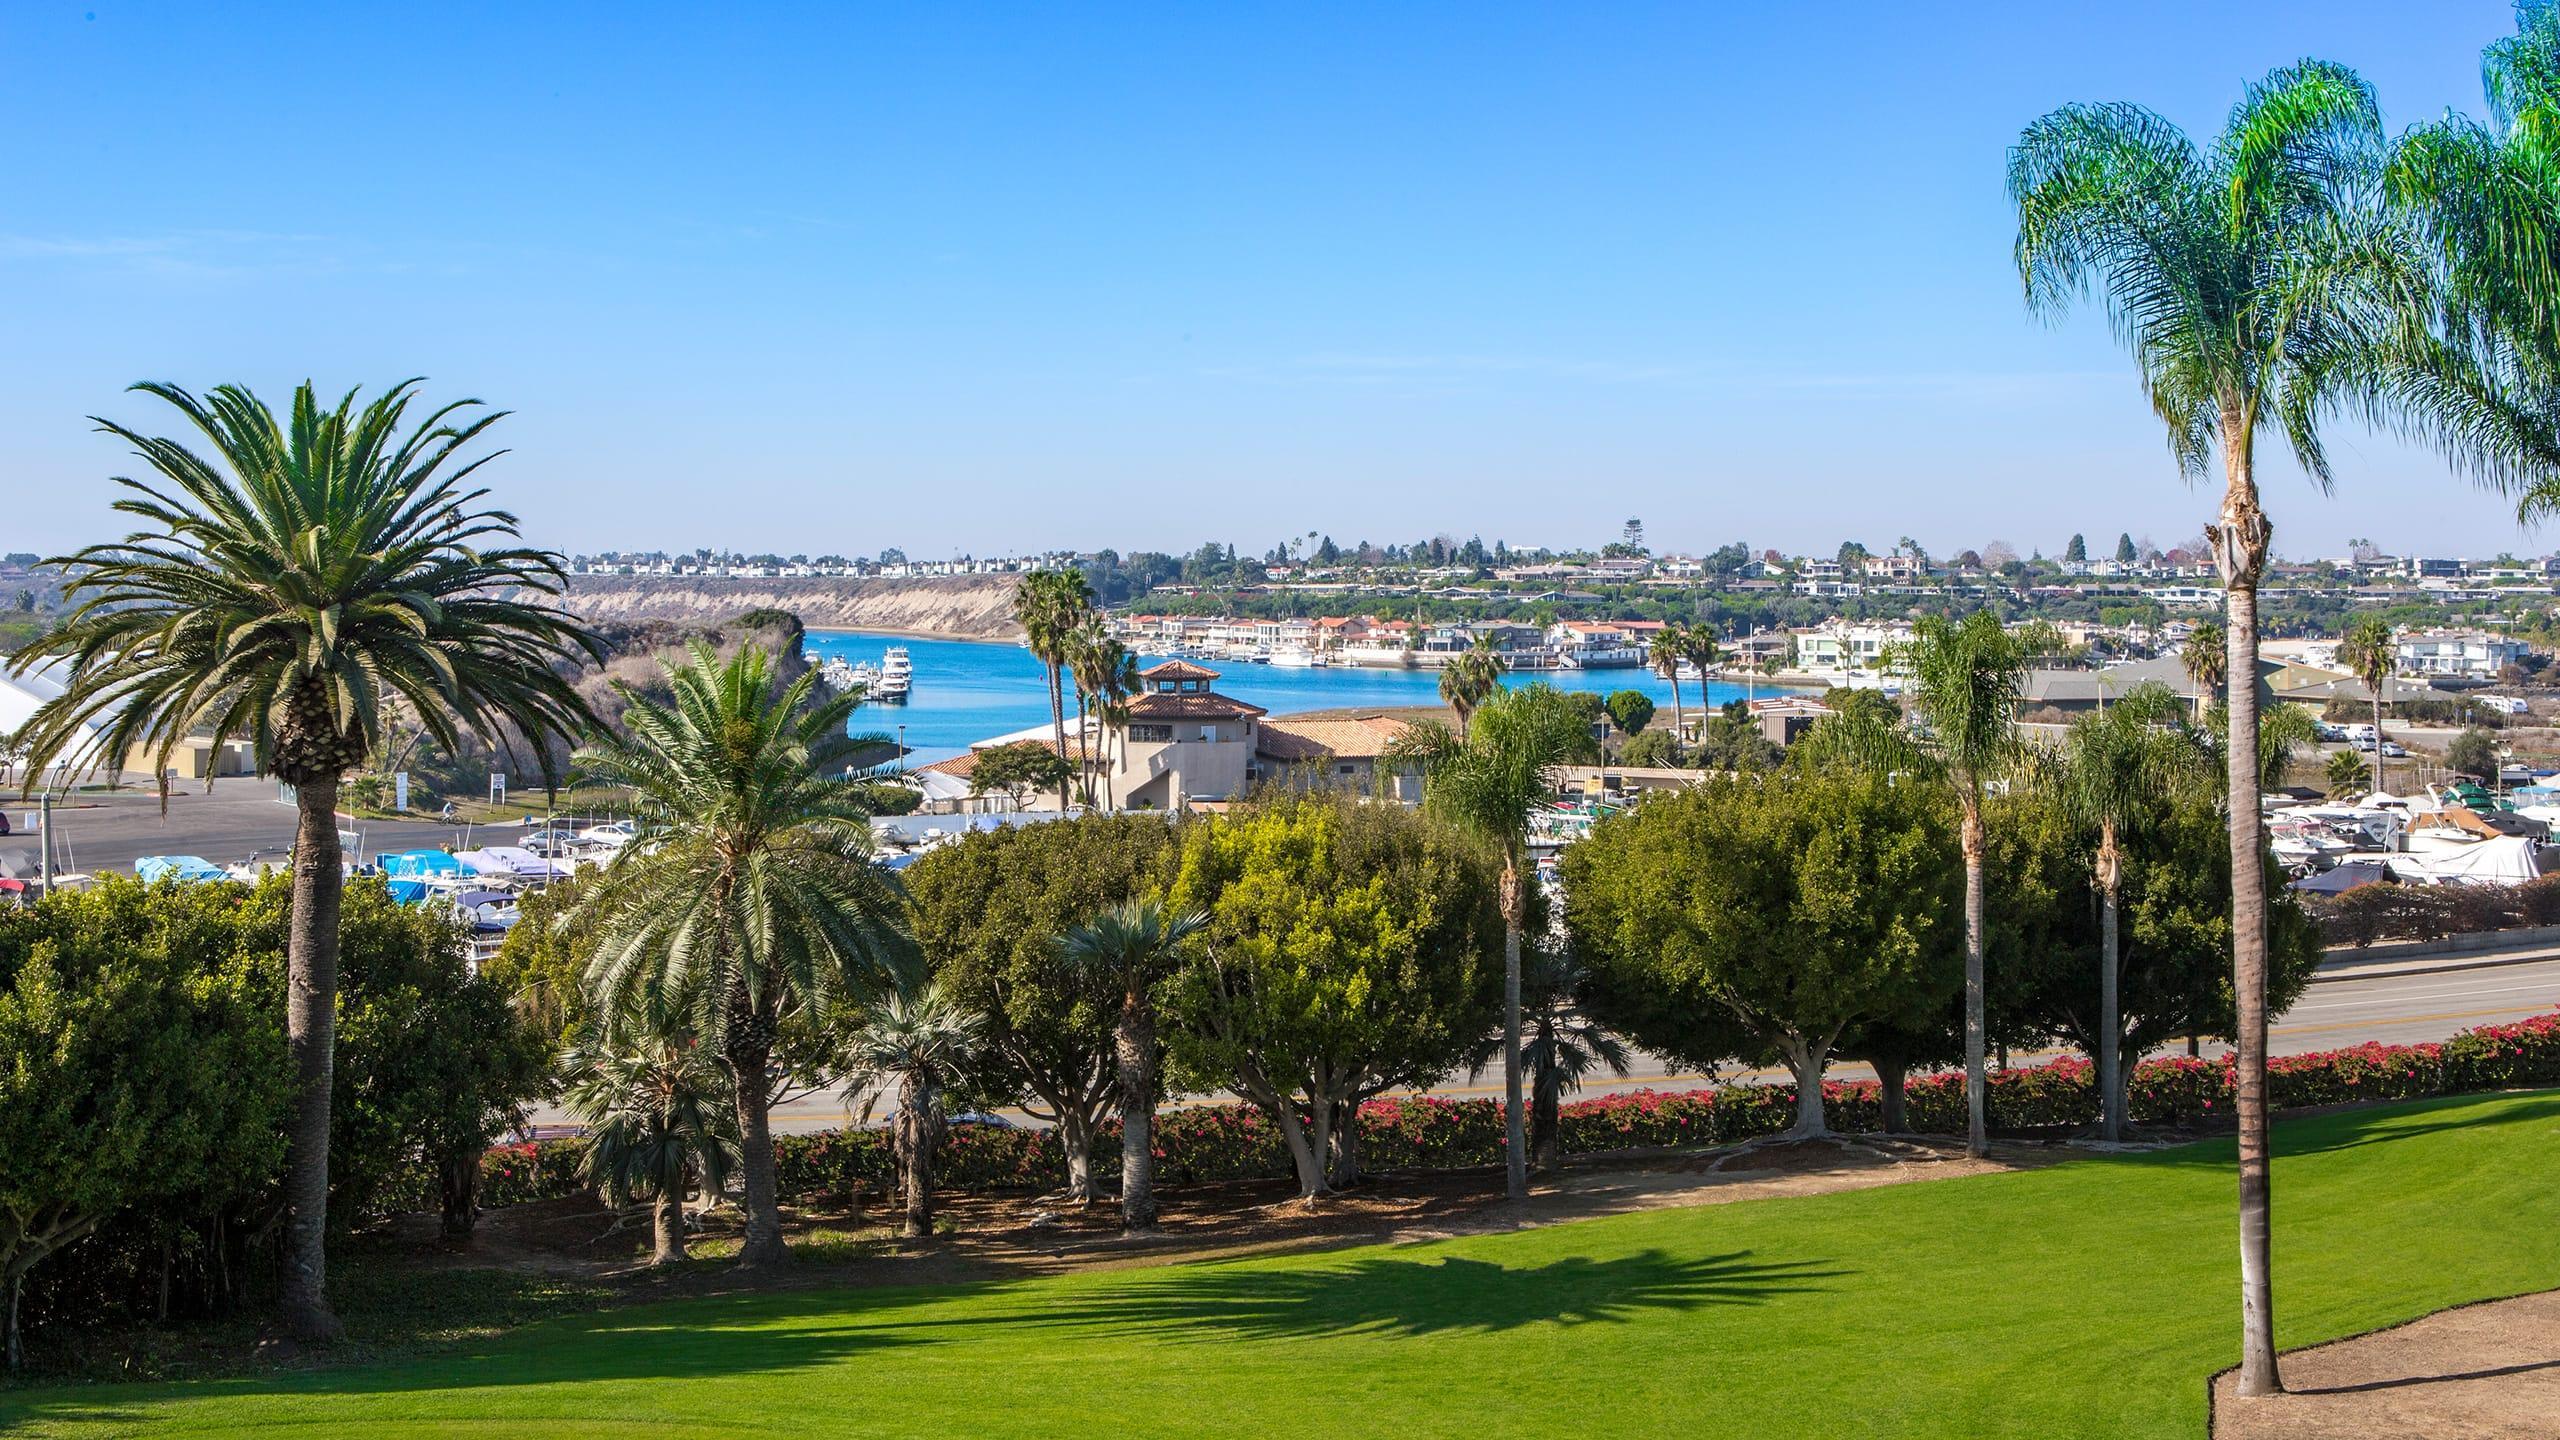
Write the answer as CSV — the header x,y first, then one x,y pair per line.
x,y
2089,1299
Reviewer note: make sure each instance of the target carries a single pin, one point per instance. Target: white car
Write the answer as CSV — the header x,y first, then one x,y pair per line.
x,y
613,834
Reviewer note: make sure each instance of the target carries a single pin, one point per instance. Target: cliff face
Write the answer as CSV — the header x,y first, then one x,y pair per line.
x,y
970,607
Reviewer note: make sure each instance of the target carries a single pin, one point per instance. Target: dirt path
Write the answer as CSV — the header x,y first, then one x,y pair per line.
x,y
2464,1374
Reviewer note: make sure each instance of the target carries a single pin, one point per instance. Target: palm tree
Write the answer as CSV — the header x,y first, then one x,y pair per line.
x,y
917,1039
1106,678
659,1120
295,587
755,910
1488,783
2117,767
2345,773
1967,678
1134,945
1664,652
2370,654
1559,1046
2257,288
1050,605
1470,676
2207,660
1700,647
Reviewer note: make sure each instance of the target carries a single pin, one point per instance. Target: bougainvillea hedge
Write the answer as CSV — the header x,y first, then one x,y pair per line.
x,y
1236,1142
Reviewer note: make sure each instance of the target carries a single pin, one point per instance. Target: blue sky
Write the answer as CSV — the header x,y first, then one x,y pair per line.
x,y
835,277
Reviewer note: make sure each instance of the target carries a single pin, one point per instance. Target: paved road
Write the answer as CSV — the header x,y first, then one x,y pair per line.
x,y
240,819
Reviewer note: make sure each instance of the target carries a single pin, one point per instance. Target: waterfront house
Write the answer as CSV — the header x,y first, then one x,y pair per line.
x,y
1335,754
1181,741
2462,654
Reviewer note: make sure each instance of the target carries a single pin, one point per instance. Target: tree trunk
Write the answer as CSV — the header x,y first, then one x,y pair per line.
x,y
669,1217
1546,1124
2110,1012
1342,1155
921,1119
1515,1150
2240,545
1306,1158
1891,1076
1058,726
9,1337
1807,1060
1679,720
1134,1048
1075,1142
1977,1130
750,1054
2377,734
461,1194
311,1028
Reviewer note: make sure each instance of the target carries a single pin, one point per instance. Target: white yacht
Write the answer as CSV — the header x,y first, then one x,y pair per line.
x,y
897,676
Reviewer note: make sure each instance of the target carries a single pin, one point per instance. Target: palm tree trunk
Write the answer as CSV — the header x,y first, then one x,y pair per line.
x,y
1546,1137
1679,720
670,1228
924,1134
750,1055
2240,546
1515,1153
1134,1048
2376,687
1058,726
1977,1129
2110,972
311,1026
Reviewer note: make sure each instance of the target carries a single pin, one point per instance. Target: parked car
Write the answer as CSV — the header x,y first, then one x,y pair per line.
x,y
2329,730
2394,749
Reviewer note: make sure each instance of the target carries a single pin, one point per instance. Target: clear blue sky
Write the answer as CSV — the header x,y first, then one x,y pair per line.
x,y
834,277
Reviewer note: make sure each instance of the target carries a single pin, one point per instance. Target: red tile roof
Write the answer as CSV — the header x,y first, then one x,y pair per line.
x,y
1188,705
1176,670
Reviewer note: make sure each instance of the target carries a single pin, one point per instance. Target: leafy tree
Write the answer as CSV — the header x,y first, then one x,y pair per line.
x,y
1471,676
2125,553
2077,550
2474,752
757,908
989,913
919,1040
1487,785
1630,711
2371,654
659,1119
309,578
1349,951
1018,770
1652,750
1730,741
140,1064
542,964
1134,947
1752,917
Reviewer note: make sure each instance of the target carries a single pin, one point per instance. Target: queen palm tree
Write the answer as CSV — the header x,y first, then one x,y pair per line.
x,y
2207,660
1967,677
2258,289
303,581
1559,1045
1700,646
1470,676
1488,782
2370,653
1106,678
2117,767
755,909
1664,652
918,1039
1050,605
659,1120
1134,945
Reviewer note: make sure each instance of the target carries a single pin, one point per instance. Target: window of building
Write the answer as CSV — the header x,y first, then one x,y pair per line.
x,y
1151,732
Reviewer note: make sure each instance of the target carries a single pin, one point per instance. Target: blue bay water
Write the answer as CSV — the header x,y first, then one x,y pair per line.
x,y
968,690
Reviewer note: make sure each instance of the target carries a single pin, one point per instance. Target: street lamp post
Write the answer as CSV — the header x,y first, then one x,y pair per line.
x,y
902,747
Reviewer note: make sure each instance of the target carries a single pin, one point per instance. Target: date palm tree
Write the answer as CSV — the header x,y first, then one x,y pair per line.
x,y
756,907
1470,676
1663,653
1967,677
304,580
1488,783
1051,605
2207,660
659,1121
2370,652
2259,289
2117,768
2344,773
919,1040
1134,946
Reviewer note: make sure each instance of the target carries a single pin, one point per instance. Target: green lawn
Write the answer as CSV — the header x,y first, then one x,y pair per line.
x,y
2088,1299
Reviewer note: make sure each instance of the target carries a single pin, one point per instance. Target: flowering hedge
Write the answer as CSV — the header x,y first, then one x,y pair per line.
x,y
1238,1142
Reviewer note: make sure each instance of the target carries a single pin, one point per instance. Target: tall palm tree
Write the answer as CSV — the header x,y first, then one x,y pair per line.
x,y
2370,652
1664,652
2116,769
1700,646
2207,660
756,908
294,587
659,1120
1559,1046
1134,945
1050,605
1489,782
2257,289
918,1039
1967,677
1106,679
1471,676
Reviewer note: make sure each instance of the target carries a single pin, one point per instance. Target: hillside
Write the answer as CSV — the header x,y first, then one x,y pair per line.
x,y
973,607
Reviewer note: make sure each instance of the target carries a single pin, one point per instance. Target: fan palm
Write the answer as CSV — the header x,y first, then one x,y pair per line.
x,y
2207,660
295,587
1559,1046
2118,766
2370,653
1470,676
756,906
1489,783
1664,652
1967,677
1106,679
1050,605
917,1039
1133,946
1700,646
2258,288
659,1120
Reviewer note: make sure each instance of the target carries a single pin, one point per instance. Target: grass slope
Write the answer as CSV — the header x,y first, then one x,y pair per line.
x,y
2089,1299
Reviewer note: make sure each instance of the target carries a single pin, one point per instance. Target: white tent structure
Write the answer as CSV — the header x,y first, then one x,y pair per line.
x,y
20,695
2506,860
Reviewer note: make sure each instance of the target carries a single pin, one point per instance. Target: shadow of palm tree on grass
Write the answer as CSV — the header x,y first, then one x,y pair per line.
x,y
2381,1125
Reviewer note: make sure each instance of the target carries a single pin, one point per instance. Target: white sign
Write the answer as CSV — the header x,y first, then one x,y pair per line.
x,y
497,788
400,790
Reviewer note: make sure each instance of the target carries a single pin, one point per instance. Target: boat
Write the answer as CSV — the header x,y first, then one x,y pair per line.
x,y
1296,657
897,677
